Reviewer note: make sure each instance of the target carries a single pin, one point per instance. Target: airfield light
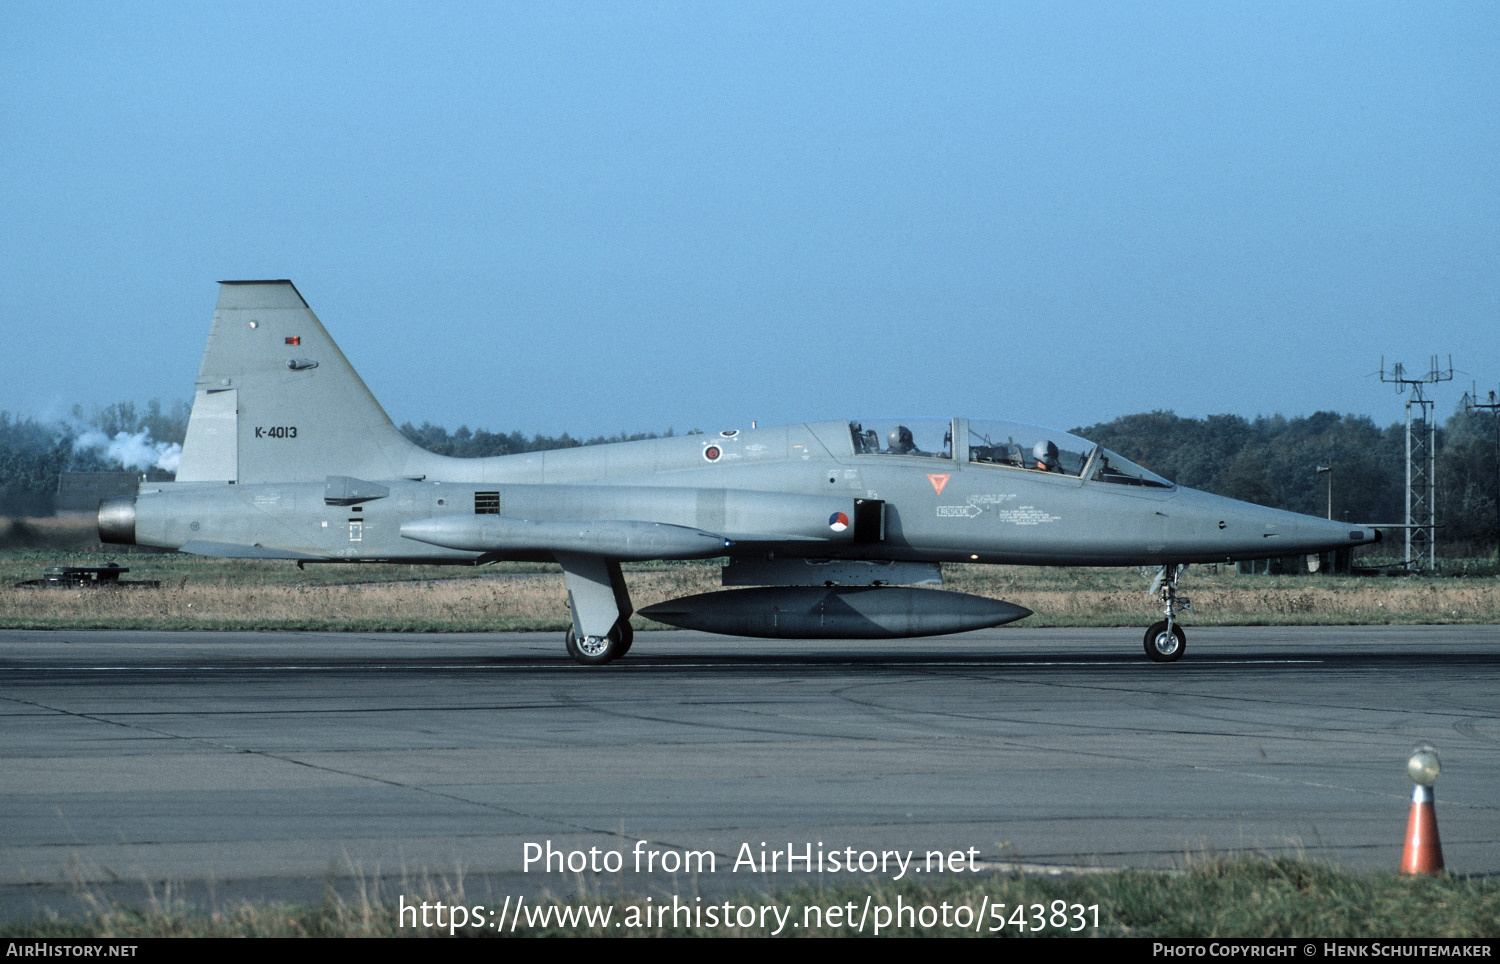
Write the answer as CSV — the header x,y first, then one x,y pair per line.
x,y
1423,853
1423,766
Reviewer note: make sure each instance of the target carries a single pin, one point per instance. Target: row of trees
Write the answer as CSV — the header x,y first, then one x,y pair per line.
x,y
30,461
1269,460
480,444
34,453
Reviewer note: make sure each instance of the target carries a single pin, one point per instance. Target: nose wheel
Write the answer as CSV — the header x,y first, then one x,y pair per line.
x,y
1165,640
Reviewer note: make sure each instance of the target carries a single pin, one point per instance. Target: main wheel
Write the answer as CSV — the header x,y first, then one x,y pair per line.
x,y
596,650
627,636
1164,645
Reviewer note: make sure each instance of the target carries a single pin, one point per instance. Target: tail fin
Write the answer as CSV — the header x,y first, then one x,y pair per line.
x,y
277,401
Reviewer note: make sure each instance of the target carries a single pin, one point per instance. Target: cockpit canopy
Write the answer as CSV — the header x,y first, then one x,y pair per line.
x,y
1006,444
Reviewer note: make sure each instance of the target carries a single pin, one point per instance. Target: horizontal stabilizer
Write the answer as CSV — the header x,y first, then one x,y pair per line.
x,y
342,490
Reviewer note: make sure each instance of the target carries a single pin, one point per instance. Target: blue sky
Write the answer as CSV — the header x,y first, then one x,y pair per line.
x,y
604,217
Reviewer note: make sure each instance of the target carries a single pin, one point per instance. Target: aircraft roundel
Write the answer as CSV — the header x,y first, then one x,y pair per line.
x,y
838,522
712,453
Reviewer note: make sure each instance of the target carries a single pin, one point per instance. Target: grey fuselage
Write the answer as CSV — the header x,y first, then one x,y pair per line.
x,y
768,491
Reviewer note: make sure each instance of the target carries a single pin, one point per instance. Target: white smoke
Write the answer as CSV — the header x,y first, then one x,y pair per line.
x,y
136,451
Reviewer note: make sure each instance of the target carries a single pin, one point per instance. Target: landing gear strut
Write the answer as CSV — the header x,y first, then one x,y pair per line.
x,y
597,596
1165,640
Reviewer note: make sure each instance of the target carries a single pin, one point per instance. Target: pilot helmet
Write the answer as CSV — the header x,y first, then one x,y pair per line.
x,y
1045,452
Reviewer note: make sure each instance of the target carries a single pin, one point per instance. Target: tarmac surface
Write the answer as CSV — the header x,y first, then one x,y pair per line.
x,y
214,767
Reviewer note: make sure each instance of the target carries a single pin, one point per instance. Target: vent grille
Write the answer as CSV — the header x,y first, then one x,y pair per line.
x,y
486,503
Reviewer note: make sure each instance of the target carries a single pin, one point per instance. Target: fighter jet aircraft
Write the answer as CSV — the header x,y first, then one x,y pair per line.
x,y
289,456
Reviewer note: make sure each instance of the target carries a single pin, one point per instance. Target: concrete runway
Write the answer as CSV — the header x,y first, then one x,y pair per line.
x,y
270,765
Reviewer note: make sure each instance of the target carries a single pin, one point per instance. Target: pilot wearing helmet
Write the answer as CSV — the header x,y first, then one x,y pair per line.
x,y
1044,457
900,441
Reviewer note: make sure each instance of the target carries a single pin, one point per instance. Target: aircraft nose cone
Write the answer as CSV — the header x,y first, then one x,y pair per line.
x,y
1309,534
1202,524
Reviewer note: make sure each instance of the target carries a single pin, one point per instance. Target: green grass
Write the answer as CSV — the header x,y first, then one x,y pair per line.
x,y
1243,898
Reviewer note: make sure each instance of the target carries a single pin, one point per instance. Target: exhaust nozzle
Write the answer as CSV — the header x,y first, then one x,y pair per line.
x,y
117,520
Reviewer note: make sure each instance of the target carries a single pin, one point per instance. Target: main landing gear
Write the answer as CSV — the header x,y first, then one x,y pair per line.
x,y
1165,640
598,650
601,630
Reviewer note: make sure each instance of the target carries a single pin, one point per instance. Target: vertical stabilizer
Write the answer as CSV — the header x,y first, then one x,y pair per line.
x,y
277,401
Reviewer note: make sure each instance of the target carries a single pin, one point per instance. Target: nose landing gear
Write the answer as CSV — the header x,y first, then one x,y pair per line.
x,y
1165,640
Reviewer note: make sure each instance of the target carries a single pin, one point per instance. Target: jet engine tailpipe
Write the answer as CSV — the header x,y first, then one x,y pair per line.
x,y
117,520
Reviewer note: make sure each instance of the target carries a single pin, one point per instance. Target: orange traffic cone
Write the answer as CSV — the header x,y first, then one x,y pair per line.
x,y
1423,854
